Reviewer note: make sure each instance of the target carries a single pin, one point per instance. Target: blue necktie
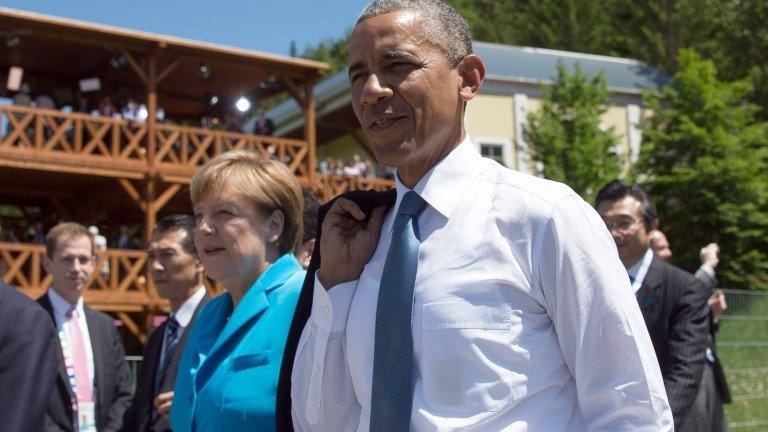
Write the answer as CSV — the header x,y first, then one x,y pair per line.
x,y
392,389
169,347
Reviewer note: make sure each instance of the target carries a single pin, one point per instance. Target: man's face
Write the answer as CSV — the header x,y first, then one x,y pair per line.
x,y
405,93
625,222
174,270
71,266
660,245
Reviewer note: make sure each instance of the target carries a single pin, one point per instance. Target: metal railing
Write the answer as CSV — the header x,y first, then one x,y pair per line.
x,y
742,344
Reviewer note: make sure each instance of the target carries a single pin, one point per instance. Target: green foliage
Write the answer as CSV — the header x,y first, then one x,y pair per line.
x,y
565,136
333,51
704,161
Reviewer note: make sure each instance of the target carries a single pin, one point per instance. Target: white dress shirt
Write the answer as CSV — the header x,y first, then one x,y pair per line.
x,y
61,308
523,317
638,270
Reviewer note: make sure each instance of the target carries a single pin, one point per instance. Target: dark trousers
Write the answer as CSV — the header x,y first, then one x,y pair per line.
x,y
707,411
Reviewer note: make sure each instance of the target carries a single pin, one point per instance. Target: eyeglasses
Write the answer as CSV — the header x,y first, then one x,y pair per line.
x,y
622,225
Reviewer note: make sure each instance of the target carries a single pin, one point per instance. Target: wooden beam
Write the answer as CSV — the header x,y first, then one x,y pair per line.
x,y
166,196
167,70
133,193
151,112
150,213
310,131
293,89
135,66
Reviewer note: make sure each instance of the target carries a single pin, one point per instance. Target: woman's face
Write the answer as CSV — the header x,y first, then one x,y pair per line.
x,y
235,241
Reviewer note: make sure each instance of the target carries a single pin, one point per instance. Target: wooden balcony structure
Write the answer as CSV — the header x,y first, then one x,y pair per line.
x,y
77,164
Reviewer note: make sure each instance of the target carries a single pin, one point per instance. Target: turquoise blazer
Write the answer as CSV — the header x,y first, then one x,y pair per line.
x,y
227,378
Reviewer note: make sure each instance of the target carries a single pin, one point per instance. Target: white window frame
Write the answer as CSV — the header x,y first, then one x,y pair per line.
x,y
504,143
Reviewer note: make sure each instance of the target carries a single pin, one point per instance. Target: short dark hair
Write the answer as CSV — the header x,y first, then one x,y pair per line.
x,y
618,189
311,205
178,222
443,25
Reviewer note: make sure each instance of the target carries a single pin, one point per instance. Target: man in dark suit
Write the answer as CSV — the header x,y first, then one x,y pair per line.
x,y
92,389
673,302
713,391
178,277
28,362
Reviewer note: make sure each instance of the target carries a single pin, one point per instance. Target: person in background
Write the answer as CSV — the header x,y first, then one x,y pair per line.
x,y
93,387
177,274
29,353
672,301
248,213
714,390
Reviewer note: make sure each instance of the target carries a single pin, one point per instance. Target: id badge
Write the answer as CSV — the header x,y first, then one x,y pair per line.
x,y
86,416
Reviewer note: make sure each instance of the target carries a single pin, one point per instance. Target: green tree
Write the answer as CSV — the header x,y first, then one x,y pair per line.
x,y
333,51
565,135
704,161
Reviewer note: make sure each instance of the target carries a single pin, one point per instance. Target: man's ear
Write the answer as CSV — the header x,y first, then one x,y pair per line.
x,y
472,72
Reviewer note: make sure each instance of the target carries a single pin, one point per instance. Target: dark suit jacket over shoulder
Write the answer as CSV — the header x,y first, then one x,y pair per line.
x,y
28,362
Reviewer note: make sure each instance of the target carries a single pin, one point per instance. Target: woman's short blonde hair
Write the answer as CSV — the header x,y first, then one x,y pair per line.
x,y
269,184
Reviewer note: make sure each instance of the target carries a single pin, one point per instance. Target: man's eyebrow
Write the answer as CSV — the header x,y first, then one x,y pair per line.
x,y
354,68
397,55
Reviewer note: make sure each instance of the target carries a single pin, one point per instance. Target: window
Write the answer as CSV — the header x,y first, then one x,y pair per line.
x,y
494,148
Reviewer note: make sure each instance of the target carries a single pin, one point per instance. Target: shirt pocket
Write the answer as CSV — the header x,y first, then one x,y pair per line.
x,y
467,348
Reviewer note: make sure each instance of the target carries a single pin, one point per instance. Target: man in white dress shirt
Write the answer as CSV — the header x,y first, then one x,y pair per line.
x,y
519,315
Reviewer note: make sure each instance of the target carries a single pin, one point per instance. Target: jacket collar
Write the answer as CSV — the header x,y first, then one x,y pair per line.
x,y
251,305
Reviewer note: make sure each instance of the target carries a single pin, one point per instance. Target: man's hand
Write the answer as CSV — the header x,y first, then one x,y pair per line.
x,y
163,403
709,255
717,303
348,242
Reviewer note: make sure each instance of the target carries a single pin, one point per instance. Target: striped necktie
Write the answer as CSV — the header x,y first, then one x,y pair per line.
x,y
392,386
83,384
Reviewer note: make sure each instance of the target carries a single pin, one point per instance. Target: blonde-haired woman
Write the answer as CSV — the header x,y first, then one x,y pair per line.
x,y
249,222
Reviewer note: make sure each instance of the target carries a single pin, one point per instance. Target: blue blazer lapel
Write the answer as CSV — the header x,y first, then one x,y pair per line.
x,y
222,336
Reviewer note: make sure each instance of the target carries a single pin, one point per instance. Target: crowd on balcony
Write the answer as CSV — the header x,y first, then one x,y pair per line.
x,y
117,106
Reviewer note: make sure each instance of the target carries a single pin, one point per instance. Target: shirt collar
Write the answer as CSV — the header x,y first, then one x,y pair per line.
x,y
187,309
639,269
442,186
61,306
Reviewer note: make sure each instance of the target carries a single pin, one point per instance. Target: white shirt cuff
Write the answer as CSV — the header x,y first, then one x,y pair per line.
x,y
331,307
708,270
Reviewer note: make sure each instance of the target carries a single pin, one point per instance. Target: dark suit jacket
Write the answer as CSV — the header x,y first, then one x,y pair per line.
x,y
674,306
112,380
710,284
28,347
140,416
367,201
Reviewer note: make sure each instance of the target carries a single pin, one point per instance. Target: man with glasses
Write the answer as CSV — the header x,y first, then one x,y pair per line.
x,y
673,302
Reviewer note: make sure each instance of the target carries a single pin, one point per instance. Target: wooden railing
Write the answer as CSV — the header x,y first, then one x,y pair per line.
x,y
77,142
73,141
182,149
117,284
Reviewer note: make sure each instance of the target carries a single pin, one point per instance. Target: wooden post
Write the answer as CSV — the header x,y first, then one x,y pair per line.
x,y
151,112
310,132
